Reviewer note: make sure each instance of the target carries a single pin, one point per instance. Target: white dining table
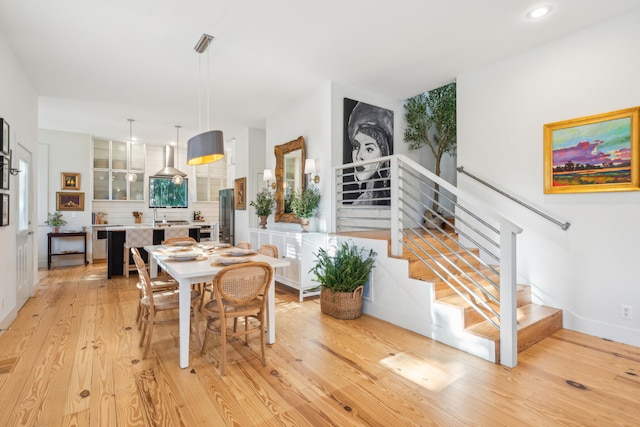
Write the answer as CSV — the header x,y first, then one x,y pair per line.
x,y
188,273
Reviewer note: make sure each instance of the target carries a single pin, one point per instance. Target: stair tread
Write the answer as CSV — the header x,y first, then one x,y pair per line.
x,y
527,316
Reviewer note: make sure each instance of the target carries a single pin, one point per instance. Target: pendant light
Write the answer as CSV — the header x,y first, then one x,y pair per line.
x,y
206,147
130,176
177,178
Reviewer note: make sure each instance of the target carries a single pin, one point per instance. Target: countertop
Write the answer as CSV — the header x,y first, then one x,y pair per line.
x,y
159,226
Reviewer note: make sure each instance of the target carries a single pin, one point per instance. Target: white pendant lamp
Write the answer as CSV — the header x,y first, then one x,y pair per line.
x,y
130,176
206,147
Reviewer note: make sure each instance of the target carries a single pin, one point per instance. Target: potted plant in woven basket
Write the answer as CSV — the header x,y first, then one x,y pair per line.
x,y
342,276
264,205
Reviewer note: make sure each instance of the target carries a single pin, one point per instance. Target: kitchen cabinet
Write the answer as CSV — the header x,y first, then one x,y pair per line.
x,y
115,248
111,162
297,248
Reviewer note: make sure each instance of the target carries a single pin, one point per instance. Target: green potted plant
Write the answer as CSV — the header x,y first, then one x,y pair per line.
x,y
342,276
305,205
264,205
432,122
55,220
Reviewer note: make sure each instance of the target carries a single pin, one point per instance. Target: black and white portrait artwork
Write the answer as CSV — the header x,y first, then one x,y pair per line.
x,y
368,134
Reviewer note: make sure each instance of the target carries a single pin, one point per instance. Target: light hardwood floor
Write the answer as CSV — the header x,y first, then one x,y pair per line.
x,y
72,358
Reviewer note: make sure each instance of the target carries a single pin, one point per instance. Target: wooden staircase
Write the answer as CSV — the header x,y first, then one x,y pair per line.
x,y
535,322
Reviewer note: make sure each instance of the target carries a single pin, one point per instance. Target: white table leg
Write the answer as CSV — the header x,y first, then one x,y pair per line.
x,y
153,267
185,316
271,312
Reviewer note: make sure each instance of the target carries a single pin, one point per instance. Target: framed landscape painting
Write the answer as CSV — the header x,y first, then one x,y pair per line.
x,y
593,154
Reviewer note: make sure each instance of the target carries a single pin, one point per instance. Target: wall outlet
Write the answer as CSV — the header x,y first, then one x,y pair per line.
x,y
625,311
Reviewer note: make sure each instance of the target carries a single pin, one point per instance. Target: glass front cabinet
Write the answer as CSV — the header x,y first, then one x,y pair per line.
x,y
111,162
210,179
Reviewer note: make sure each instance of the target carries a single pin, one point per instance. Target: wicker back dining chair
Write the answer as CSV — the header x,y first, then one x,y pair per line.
x,y
159,284
268,250
240,292
179,240
154,302
244,245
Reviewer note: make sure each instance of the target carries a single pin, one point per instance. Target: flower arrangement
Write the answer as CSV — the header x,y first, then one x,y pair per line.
x,y
264,203
305,204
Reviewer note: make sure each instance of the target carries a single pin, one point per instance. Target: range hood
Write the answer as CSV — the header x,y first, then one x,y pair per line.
x,y
169,168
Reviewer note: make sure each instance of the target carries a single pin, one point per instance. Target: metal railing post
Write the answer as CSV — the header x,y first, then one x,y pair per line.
x,y
508,295
396,218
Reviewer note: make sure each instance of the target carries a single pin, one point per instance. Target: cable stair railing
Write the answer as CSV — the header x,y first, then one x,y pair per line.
x,y
478,256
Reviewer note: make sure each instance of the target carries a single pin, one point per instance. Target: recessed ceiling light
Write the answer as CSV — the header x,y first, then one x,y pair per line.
x,y
539,12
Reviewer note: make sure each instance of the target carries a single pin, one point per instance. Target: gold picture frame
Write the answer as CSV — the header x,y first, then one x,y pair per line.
x,y
70,181
69,201
240,194
593,154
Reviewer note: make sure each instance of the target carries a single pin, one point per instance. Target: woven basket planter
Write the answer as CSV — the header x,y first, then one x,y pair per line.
x,y
342,305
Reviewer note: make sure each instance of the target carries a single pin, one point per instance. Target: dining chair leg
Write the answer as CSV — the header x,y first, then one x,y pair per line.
x,y
149,337
196,321
223,338
262,338
143,333
246,328
206,335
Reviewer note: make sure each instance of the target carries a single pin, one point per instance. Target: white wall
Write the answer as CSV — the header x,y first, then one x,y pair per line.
x,y
592,268
308,117
249,162
19,107
67,152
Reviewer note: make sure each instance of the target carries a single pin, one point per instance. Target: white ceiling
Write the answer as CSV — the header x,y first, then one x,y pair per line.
x,y
95,63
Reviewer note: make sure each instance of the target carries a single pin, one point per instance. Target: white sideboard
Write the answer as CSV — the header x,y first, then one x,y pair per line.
x,y
297,248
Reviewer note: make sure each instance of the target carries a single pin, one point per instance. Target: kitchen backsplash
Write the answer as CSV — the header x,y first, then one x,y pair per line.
x,y
121,213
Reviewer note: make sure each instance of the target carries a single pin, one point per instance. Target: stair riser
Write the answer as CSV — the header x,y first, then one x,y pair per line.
x,y
535,332
471,316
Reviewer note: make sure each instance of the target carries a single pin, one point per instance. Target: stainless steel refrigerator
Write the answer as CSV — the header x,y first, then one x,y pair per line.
x,y
226,216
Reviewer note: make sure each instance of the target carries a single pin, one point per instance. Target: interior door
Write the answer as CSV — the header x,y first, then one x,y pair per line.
x,y
24,244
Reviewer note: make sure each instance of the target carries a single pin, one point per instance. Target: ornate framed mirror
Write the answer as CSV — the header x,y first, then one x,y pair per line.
x,y
290,159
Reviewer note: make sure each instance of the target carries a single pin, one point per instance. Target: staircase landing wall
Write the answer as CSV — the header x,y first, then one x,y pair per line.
x,y
394,297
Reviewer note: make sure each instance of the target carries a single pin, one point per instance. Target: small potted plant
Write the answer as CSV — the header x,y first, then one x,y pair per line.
x,y
342,276
305,205
264,205
55,220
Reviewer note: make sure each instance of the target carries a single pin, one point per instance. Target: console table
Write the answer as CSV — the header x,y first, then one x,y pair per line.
x,y
52,236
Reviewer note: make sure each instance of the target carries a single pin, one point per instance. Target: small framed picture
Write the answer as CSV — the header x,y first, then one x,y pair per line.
x,y
4,143
5,167
4,210
240,190
69,201
70,181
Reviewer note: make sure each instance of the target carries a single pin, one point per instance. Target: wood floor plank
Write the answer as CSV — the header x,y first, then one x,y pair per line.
x,y
78,333
79,387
